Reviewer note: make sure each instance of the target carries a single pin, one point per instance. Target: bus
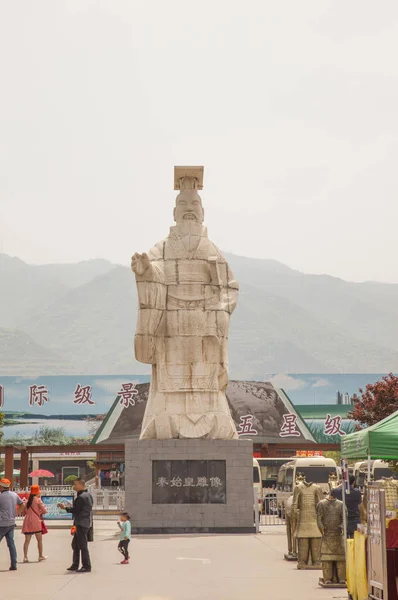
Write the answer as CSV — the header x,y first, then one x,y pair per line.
x,y
257,487
269,468
316,470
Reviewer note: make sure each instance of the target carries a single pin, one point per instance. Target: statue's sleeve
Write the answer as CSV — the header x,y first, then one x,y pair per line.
x,y
296,495
344,508
320,516
319,495
151,290
233,291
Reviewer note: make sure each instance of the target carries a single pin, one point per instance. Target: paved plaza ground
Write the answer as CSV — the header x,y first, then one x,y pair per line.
x,y
189,567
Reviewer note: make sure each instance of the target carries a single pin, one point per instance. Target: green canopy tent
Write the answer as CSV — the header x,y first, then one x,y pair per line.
x,y
380,441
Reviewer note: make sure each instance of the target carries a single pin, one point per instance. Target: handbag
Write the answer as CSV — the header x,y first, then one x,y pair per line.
x,y
90,534
44,529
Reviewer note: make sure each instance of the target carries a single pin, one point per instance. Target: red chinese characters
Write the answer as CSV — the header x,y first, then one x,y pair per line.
x,y
333,426
289,426
246,426
38,395
127,394
83,395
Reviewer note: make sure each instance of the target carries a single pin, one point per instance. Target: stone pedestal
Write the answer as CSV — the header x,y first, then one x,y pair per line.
x,y
190,486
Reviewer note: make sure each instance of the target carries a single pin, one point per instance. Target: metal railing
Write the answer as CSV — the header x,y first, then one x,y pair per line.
x,y
54,490
271,514
112,499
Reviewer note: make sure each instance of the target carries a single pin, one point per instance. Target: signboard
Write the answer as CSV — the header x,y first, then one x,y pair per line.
x,y
24,495
53,512
308,453
189,482
377,547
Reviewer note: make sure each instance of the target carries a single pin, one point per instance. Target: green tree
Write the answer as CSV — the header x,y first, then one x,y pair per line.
x,y
70,479
50,436
44,436
376,402
335,455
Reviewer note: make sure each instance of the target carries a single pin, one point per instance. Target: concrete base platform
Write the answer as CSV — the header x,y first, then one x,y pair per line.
x,y
204,507
290,557
331,585
309,567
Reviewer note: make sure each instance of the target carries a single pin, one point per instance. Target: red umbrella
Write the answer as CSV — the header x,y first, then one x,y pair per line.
x,y
41,473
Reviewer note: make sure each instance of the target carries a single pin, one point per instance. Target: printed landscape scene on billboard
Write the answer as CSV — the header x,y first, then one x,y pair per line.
x,y
71,408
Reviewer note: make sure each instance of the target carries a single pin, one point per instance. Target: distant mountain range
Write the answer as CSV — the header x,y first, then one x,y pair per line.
x,y
80,318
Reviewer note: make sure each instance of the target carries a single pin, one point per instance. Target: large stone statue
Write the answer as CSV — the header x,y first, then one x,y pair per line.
x,y
186,293
330,522
306,497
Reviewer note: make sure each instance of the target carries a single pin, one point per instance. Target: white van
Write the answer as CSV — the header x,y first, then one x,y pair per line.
x,y
317,470
378,469
257,483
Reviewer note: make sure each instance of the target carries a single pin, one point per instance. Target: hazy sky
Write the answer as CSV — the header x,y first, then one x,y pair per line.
x,y
291,106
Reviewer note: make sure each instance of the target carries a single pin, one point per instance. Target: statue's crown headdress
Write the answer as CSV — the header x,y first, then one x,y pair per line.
x,y
188,178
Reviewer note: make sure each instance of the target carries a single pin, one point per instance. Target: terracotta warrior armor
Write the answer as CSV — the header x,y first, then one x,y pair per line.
x,y
305,501
330,523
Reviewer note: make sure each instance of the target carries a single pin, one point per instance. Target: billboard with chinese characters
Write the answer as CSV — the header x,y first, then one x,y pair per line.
x,y
260,412
324,400
290,407
58,409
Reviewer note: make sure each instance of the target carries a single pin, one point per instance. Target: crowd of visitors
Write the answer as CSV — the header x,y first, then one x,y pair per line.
x,y
33,511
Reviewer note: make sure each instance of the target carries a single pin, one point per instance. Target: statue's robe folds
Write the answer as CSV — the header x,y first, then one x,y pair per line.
x,y
186,298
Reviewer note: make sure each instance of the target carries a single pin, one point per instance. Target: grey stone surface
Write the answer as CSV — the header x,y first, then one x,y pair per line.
x,y
189,567
233,517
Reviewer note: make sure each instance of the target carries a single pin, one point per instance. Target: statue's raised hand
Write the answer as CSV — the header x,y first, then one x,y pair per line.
x,y
140,263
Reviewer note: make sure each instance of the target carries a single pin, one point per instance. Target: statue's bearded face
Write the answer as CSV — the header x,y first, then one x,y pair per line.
x,y
188,207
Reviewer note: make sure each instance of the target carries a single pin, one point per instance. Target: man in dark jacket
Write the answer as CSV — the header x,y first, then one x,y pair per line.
x,y
352,502
82,511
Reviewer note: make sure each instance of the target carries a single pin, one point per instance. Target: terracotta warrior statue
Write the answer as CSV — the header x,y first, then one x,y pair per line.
x,y
291,524
330,523
306,497
186,293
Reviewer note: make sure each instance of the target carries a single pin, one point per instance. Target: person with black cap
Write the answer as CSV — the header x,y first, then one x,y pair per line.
x,y
82,511
9,506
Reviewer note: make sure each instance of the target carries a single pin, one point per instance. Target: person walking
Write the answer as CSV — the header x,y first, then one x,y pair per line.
x,y
125,536
33,522
10,503
352,502
82,511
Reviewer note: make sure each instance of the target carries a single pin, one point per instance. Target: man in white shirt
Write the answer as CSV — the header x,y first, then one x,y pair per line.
x,y
9,505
